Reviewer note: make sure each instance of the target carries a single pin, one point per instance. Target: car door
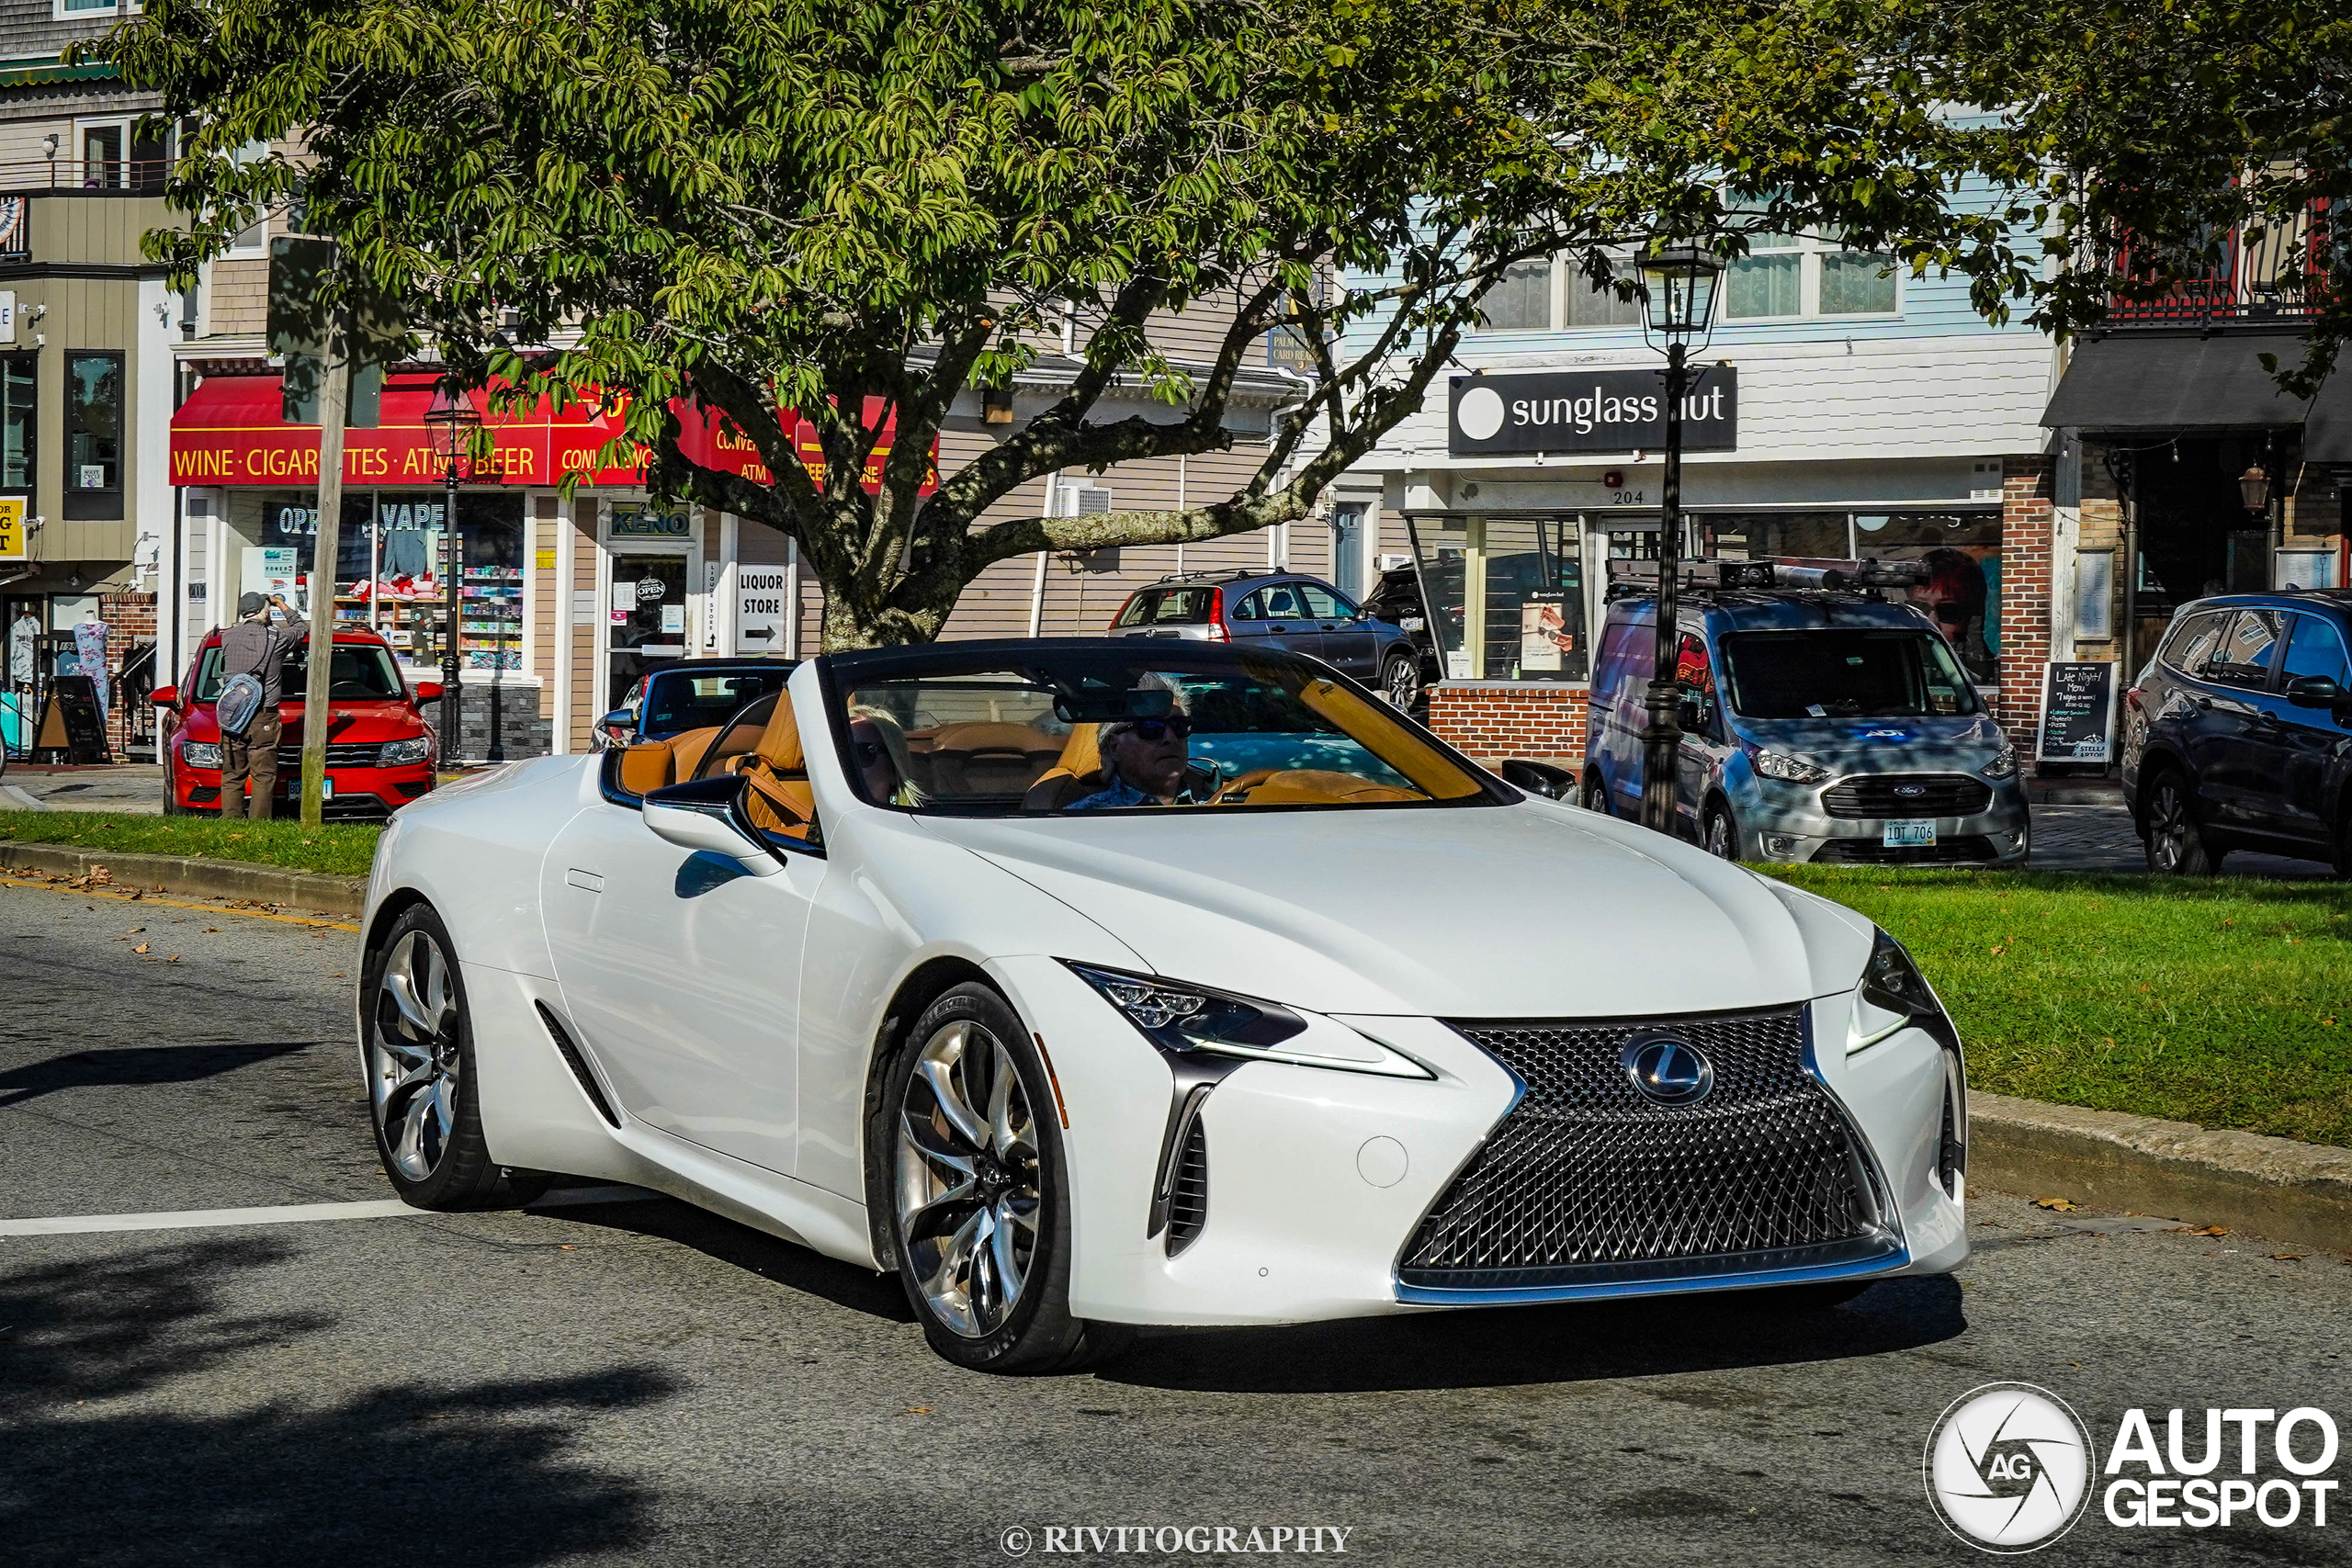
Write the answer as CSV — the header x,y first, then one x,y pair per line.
x,y
1701,755
682,974
1350,642
2223,743
1285,621
2292,747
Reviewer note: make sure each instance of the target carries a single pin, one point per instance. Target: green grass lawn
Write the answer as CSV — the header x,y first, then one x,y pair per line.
x,y
341,849
2225,1002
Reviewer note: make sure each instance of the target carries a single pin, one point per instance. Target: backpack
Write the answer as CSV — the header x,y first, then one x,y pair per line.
x,y
240,700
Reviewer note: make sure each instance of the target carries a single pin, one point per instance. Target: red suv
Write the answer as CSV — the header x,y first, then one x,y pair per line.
x,y
379,749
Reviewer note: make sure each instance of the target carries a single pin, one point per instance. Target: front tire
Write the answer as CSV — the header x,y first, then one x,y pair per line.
x,y
1595,795
1400,681
1722,832
2176,845
979,1192
424,1094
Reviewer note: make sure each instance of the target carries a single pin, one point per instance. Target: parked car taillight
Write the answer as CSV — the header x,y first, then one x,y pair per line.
x,y
1217,632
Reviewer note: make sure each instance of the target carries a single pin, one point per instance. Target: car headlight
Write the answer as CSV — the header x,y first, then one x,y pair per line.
x,y
401,753
1187,1018
201,754
2003,764
1795,769
1893,995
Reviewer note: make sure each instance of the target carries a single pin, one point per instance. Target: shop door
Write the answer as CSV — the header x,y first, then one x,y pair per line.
x,y
647,612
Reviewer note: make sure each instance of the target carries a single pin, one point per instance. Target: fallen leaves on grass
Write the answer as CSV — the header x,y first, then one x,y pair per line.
x,y
2064,1205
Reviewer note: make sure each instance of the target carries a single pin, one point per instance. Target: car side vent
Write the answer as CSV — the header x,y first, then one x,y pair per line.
x,y
579,1065
1951,1154
1188,1202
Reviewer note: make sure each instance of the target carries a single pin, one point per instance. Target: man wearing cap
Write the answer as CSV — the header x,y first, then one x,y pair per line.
x,y
256,648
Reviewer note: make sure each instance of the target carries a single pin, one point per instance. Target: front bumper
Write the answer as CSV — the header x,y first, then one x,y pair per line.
x,y
359,792
1317,1179
1787,824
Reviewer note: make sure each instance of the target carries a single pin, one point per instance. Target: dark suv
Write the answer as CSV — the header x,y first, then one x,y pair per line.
x,y
1299,615
2238,734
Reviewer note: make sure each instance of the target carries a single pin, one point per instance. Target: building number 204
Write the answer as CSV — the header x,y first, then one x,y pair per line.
x,y
1628,498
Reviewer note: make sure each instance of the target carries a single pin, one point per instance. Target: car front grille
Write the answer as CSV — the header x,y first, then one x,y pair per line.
x,y
1188,1202
356,754
1882,794
1588,1181
1871,851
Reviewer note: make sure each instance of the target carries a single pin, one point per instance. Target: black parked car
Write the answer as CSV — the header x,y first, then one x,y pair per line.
x,y
2238,734
1397,598
1278,609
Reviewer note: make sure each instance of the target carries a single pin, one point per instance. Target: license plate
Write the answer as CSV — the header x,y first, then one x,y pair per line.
x,y
1908,835
326,789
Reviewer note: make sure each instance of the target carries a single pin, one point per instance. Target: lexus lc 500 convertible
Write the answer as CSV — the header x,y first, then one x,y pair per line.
x,y
1088,984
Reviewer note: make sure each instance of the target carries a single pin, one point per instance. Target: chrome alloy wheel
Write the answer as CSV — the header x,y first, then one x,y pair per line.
x,y
1719,836
968,1186
2169,828
412,1055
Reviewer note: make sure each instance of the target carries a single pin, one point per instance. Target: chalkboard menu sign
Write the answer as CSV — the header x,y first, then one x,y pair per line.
x,y
2077,714
71,722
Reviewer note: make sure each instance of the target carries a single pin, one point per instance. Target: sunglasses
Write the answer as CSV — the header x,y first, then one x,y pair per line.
x,y
1158,729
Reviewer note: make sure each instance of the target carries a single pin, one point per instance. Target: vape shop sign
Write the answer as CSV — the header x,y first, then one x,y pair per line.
x,y
1571,412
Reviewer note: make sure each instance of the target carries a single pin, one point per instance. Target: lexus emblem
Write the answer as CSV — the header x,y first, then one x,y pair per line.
x,y
1670,1071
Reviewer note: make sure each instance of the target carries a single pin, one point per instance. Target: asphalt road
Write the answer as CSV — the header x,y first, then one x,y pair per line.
x,y
635,1381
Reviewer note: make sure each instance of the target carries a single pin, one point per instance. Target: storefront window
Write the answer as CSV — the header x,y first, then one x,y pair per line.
x,y
1779,536
1505,596
1961,551
94,436
18,421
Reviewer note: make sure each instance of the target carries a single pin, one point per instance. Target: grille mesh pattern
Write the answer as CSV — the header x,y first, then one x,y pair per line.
x,y
1587,1176
1874,794
352,754
1188,1200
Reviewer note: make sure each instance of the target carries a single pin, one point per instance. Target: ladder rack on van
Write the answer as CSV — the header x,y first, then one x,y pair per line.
x,y
1638,578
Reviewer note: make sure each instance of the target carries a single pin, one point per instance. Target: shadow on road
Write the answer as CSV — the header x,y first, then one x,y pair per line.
x,y
117,1067
1508,1347
739,1247
481,1472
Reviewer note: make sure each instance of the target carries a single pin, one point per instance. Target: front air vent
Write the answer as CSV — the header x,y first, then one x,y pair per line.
x,y
579,1065
1188,1202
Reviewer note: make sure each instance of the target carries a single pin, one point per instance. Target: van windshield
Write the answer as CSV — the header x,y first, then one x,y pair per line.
x,y
1844,673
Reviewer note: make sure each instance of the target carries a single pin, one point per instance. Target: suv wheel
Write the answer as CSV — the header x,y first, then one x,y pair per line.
x,y
1400,681
2176,844
1722,832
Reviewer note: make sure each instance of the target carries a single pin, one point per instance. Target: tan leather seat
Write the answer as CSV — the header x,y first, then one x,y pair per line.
x,y
780,801
982,756
657,764
1077,773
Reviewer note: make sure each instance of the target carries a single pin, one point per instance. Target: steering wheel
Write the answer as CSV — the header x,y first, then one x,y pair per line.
x,y
1236,788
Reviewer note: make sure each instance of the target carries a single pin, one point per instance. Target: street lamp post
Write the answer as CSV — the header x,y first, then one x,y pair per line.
x,y
453,420
1678,304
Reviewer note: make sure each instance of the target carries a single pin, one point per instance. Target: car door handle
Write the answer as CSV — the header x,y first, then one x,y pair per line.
x,y
586,880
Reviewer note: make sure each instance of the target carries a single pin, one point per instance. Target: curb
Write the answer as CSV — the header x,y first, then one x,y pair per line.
x,y
201,877
2275,1188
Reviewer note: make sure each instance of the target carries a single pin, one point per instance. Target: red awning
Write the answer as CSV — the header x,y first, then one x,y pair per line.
x,y
229,433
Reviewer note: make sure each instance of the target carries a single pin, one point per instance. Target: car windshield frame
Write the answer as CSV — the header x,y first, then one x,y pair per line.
x,y
295,669
842,674
1732,645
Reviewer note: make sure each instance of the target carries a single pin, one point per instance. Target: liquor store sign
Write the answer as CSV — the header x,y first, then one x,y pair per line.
x,y
1572,412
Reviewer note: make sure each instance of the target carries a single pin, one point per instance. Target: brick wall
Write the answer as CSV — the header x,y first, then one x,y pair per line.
x,y
1538,720
131,617
2026,496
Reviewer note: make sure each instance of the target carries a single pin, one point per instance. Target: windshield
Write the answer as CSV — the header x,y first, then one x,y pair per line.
x,y
1844,672
360,672
676,701
1049,732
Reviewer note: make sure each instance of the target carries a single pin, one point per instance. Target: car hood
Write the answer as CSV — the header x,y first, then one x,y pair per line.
x,y
349,723
1531,911
1880,745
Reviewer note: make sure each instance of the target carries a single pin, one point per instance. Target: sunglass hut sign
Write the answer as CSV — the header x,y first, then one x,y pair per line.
x,y
1590,410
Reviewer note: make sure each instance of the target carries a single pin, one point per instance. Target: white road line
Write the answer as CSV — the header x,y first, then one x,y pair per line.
x,y
197,1219
24,798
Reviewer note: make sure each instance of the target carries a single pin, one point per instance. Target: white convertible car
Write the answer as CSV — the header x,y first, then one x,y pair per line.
x,y
1089,984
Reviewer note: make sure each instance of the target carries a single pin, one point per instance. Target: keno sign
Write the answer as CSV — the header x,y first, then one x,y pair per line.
x,y
1590,410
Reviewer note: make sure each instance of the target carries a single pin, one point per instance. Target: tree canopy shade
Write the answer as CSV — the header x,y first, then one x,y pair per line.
x,y
831,206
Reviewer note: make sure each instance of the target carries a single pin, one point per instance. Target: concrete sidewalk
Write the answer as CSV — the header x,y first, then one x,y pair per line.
x,y
135,787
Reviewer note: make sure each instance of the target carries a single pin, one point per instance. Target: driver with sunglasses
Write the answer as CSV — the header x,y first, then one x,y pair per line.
x,y
1143,764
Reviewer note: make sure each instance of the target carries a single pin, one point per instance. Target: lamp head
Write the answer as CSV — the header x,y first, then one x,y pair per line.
x,y
1678,288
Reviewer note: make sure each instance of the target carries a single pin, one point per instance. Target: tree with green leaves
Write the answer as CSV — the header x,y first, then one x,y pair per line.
x,y
824,205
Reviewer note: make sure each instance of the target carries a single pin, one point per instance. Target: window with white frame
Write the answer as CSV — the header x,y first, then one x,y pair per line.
x,y
75,10
1521,302
1590,304
1794,277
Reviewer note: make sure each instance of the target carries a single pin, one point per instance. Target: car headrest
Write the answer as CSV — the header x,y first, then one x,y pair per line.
x,y
779,745
1082,753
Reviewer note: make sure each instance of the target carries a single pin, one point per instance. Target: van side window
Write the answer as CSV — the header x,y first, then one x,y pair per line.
x,y
2242,657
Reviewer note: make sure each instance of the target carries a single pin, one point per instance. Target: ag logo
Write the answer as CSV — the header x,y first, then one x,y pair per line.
x,y
2009,1467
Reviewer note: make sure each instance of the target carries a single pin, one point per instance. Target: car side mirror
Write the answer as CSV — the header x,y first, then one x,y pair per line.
x,y
705,815
2316,691
619,719
1540,778
428,691
1690,713
164,696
